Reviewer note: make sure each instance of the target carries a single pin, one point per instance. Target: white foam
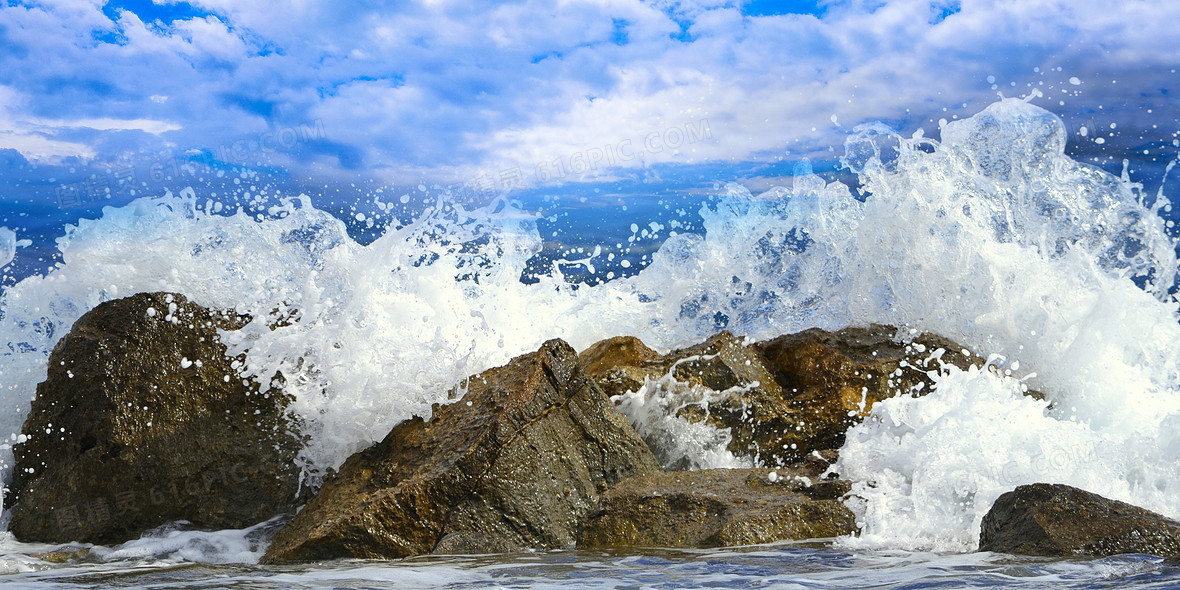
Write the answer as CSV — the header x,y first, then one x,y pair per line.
x,y
7,246
173,544
678,443
1036,257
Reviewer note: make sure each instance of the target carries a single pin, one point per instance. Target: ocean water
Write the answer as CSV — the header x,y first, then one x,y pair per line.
x,y
1062,274
778,567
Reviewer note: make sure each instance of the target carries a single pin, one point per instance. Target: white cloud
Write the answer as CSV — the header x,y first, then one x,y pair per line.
x,y
765,84
24,137
108,124
36,137
39,148
444,88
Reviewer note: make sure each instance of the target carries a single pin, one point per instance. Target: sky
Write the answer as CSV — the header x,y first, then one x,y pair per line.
x,y
522,94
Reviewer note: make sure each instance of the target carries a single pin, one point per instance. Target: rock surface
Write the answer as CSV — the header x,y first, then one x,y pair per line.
x,y
620,364
717,508
781,399
516,463
142,421
1060,520
833,379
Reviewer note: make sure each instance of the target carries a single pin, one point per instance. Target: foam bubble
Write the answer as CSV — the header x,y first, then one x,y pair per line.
x,y
1036,257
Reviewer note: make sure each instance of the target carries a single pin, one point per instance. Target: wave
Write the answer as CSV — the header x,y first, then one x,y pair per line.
x,y
990,236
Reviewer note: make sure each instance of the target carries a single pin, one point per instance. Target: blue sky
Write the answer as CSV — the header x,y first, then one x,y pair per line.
x,y
517,93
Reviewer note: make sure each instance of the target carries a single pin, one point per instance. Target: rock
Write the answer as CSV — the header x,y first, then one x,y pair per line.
x,y
1060,520
720,381
833,379
473,543
717,508
516,463
781,399
143,420
66,555
749,402
619,364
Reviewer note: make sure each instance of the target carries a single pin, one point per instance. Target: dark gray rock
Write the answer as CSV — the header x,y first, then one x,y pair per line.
x,y
142,421
1060,520
516,463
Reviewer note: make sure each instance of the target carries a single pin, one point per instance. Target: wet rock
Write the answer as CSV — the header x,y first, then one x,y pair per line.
x,y
832,379
619,364
782,399
1060,520
66,555
748,401
473,543
517,462
143,420
717,508
721,382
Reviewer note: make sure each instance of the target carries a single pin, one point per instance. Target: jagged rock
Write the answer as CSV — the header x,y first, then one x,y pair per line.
x,y
1059,520
143,420
750,403
616,364
515,463
720,381
784,398
717,508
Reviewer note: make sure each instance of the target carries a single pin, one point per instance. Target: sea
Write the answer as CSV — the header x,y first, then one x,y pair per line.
x,y
1052,257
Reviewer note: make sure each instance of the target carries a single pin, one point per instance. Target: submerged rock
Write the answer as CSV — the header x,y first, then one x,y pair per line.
x,y
516,463
1060,520
143,420
781,399
718,508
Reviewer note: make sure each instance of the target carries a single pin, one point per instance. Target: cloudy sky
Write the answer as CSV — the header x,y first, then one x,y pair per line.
x,y
528,91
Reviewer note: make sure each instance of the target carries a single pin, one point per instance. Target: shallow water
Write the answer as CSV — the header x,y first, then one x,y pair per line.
x,y
780,567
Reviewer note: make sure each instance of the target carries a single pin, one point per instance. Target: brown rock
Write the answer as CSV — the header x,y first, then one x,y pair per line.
x,y
1060,520
142,421
717,508
516,463
720,381
832,379
781,399
616,363
752,406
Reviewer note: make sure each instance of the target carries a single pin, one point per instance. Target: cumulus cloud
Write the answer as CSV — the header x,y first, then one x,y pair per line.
x,y
446,90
